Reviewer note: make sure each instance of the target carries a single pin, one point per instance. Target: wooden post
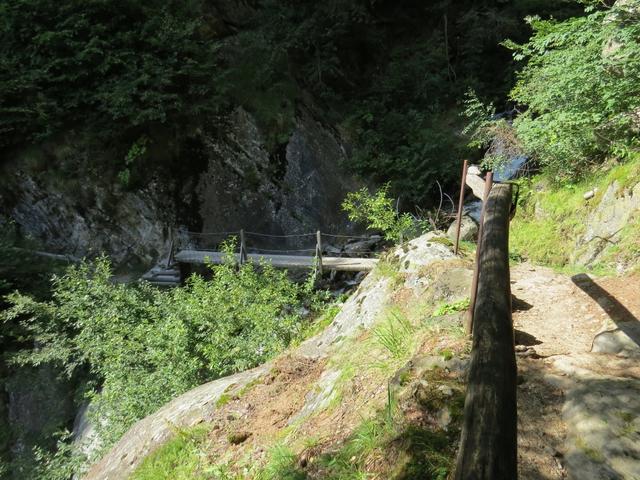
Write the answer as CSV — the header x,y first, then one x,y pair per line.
x,y
319,253
243,248
170,257
468,326
465,166
488,443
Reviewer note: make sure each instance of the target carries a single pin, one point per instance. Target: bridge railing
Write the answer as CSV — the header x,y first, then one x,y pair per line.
x,y
302,244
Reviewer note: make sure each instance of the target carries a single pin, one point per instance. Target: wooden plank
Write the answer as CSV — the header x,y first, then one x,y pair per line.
x,y
281,261
488,444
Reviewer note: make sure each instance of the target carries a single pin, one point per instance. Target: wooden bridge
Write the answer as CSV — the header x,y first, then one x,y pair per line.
x,y
299,251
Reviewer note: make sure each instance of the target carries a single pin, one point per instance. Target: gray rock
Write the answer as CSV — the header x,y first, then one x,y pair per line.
x,y
476,183
622,341
39,404
296,189
602,414
85,434
423,251
443,418
240,189
604,223
187,410
468,229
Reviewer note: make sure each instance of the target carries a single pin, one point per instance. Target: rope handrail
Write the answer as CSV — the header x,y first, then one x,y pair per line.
x,y
268,235
294,235
374,236
206,234
267,250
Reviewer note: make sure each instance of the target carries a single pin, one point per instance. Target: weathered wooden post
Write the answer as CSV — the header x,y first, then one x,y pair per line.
x,y
243,248
319,253
465,166
488,443
468,326
171,246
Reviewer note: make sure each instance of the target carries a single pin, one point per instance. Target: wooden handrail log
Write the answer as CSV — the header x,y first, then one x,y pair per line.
x,y
488,443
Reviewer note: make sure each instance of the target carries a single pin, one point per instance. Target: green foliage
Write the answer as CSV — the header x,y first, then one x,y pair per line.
x,y
394,333
181,458
551,218
144,346
447,308
484,131
390,74
136,153
282,465
62,464
580,86
105,64
378,213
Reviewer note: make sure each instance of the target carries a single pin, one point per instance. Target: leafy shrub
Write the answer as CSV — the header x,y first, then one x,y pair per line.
x,y
580,86
104,64
378,213
447,308
485,131
144,346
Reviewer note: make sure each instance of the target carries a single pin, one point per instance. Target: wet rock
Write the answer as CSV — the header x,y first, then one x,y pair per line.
x,y
85,434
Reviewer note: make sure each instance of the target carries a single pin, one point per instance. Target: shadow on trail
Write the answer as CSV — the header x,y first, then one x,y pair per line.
x,y
519,305
526,339
622,317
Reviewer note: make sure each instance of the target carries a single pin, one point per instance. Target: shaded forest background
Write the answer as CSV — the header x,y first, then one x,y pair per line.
x,y
389,75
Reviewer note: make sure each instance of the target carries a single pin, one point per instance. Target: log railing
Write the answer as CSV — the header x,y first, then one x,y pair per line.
x,y
488,443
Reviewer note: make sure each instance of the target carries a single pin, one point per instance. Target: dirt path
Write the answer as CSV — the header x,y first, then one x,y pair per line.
x,y
577,340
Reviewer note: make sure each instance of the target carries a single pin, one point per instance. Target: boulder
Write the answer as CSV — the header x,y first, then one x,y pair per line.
x,y
468,229
604,223
622,341
475,182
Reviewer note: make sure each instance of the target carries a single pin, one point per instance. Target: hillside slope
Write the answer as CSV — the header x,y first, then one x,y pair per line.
x,y
379,391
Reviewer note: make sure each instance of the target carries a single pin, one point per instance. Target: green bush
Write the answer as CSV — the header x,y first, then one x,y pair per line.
x,y
144,346
580,86
101,64
378,213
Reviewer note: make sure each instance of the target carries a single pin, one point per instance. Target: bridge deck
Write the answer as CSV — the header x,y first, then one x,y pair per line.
x,y
282,261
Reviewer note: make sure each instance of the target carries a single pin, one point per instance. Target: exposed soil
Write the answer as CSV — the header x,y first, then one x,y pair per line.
x,y
556,318
252,417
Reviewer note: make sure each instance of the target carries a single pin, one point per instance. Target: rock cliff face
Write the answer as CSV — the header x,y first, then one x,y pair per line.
x,y
237,182
296,189
605,224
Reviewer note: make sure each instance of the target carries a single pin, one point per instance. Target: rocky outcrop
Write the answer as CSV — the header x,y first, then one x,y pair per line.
x,y
237,182
296,189
605,223
468,229
128,226
35,413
